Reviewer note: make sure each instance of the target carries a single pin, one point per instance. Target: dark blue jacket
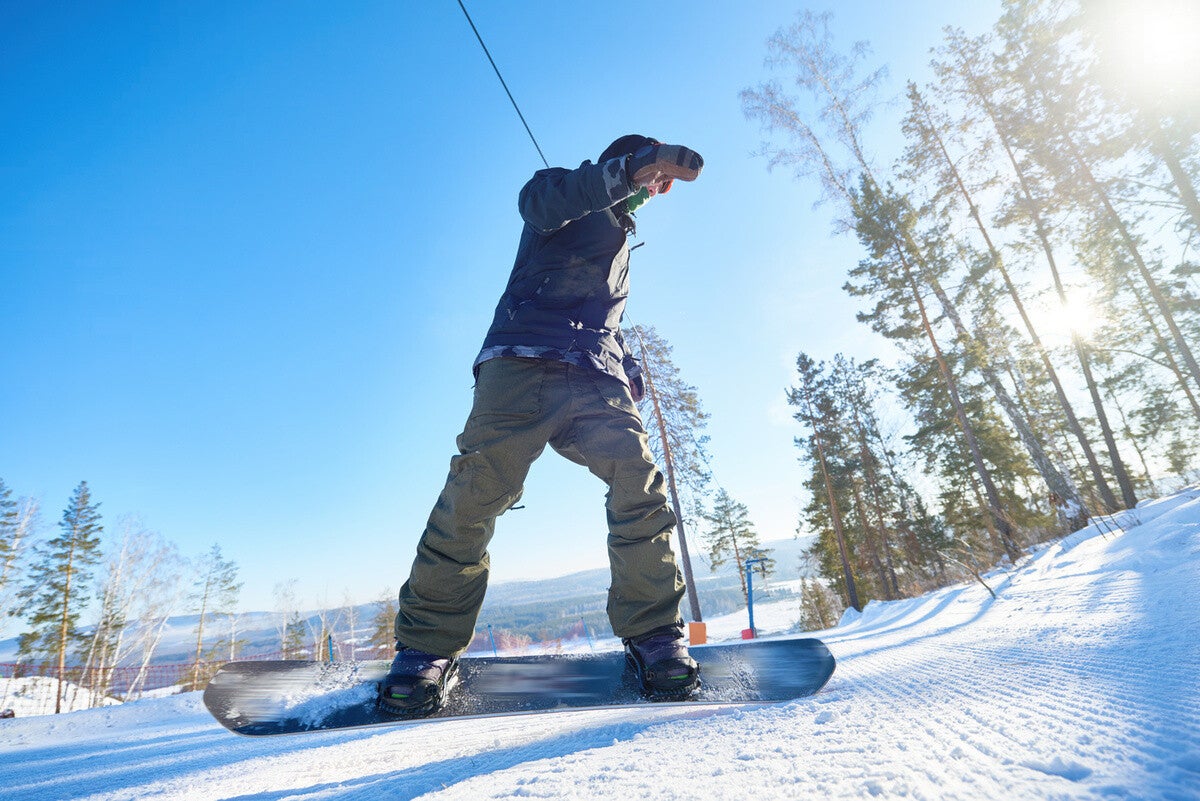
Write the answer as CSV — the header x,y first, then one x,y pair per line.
x,y
570,280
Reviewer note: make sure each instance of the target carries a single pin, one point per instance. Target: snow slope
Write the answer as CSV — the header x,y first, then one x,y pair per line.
x,y
1080,681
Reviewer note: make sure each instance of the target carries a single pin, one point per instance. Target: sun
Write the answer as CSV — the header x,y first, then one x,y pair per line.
x,y
1057,322
1149,48
1079,317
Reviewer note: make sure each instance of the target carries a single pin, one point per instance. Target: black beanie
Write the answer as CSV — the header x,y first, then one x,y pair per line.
x,y
630,143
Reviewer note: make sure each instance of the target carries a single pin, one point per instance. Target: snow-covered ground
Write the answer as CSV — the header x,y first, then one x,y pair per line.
x,y
34,695
1082,680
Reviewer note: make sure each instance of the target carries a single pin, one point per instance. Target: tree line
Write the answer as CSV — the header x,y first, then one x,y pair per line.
x,y
1028,178
128,585
87,601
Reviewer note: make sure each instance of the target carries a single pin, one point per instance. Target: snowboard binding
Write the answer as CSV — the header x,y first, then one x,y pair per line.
x,y
417,684
662,666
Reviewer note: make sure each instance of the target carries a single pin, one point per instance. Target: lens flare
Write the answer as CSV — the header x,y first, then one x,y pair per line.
x,y
1149,48
1058,322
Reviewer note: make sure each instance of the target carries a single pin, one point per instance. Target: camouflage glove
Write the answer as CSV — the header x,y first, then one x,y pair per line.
x,y
654,164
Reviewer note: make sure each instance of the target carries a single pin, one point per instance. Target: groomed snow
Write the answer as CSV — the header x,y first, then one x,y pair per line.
x,y
1080,681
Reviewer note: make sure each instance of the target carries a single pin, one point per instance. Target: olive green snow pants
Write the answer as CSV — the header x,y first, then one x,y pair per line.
x,y
520,406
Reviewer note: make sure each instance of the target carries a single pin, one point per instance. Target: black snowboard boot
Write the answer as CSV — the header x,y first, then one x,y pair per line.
x,y
660,660
417,683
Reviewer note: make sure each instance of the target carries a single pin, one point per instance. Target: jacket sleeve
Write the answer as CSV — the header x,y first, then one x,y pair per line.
x,y
554,197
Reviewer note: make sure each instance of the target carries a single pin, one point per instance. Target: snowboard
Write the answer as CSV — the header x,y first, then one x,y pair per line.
x,y
285,697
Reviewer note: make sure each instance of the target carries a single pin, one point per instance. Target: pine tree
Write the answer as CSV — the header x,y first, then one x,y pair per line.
x,y
731,535
1072,142
18,521
877,213
683,416
901,263
928,152
816,409
818,606
1159,121
971,72
9,540
875,498
58,586
674,407
295,636
1028,161
383,626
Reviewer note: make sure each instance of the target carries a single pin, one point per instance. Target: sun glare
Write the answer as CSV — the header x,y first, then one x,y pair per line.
x,y
1056,322
1150,47
1079,317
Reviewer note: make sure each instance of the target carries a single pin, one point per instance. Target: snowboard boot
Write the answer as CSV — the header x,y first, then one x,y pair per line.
x,y
417,683
660,660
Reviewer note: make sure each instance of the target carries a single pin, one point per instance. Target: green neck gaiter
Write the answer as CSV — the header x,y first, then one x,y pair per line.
x,y
637,200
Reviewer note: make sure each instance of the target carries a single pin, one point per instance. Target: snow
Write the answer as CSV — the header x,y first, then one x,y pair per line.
x,y
1080,681
34,695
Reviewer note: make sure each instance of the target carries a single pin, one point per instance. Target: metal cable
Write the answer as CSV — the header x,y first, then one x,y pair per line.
x,y
502,83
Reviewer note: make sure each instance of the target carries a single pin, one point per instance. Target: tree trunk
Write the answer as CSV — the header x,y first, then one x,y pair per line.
x,y
1123,480
1179,174
1132,439
200,636
993,534
1043,235
684,557
881,518
1054,480
737,558
64,628
834,512
871,543
1164,346
1118,223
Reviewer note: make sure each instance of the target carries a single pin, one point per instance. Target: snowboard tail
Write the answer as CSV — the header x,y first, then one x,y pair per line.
x,y
284,697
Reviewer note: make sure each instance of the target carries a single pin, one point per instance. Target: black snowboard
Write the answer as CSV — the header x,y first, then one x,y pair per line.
x,y
258,698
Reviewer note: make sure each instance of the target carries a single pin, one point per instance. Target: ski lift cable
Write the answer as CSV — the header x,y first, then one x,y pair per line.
x,y
502,83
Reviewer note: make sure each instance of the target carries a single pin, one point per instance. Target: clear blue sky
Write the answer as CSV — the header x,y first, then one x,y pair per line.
x,y
248,252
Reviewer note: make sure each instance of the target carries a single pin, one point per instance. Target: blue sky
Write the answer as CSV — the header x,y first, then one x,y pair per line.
x,y
248,252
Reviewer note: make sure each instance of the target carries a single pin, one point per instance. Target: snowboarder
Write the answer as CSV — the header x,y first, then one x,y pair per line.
x,y
554,369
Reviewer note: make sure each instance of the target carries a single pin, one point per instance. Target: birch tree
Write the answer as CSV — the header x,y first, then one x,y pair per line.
x,y
215,594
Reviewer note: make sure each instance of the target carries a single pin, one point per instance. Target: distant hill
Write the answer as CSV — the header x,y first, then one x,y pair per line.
x,y
527,611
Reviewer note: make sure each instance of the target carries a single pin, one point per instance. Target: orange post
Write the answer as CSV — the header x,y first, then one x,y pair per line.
x,y
697,633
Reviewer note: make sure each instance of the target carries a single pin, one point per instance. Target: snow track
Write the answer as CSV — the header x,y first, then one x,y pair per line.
x,y
1080,681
